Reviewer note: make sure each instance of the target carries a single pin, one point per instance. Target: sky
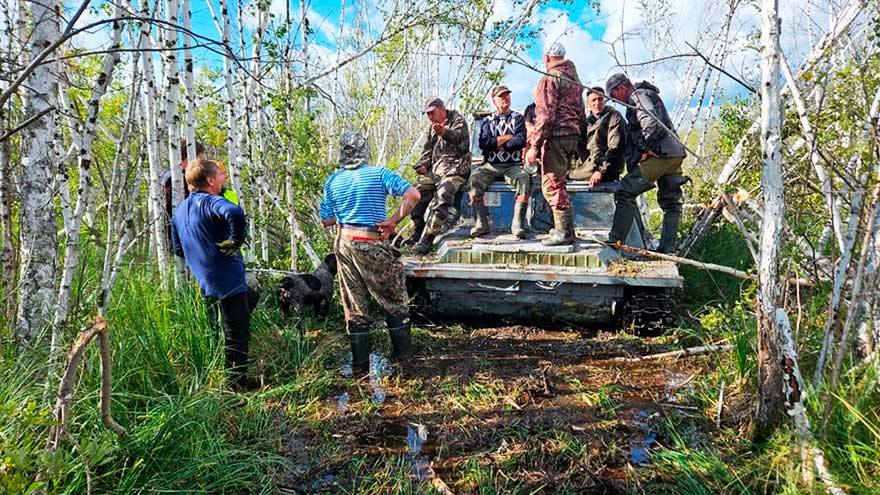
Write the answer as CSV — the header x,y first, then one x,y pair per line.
x,y
592,39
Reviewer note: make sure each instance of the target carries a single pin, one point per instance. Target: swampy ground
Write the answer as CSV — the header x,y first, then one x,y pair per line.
x,y
504,409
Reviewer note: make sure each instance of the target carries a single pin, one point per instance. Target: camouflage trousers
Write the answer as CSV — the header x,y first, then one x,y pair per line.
x,y
558,155
513,174
370,269
438,196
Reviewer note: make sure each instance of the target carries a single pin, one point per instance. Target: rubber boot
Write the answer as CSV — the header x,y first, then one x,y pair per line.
x,y
400,333
359,336
425,244
517,225
668,233
418,229
563,232
481,219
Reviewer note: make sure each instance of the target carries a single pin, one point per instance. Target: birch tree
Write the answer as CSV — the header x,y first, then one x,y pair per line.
x,y
38,244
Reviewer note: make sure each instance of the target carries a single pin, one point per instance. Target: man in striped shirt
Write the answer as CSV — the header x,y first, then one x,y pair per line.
x,y
369,267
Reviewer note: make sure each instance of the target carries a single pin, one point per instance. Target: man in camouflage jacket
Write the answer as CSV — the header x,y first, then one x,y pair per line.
x,y
443,168
559,108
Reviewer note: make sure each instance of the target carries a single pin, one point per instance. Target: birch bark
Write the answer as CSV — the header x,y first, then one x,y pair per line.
x,y
770,409
38,245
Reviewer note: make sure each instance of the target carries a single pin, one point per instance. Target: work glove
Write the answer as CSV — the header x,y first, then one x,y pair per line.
x,y
228,247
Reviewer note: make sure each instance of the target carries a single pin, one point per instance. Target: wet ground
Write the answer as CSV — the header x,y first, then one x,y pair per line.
x,y
509,409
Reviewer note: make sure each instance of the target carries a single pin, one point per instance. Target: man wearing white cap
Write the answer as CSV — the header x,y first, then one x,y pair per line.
x,y
559,109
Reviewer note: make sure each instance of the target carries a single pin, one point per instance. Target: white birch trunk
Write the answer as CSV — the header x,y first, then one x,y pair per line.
x,y
172,97
770,394
38,244
232,138
88,136
189,132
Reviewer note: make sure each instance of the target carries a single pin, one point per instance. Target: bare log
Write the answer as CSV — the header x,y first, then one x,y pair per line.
x,y
684,261
690,351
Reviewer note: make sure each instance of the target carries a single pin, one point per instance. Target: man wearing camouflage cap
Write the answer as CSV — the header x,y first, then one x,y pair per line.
x,y
369,267
654,156
443,168
559,110
502,138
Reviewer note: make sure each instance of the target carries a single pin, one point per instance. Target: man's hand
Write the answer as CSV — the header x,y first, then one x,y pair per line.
x,y
387,228
647,155
595,179
228,248
532,156
502,140
440,127
422,170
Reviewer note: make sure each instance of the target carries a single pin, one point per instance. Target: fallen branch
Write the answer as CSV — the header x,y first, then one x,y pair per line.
x,y
61,413
690,351
720,406
440,486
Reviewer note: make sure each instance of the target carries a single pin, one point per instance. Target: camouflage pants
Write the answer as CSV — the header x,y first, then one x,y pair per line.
x,y
559,153
370,270
438,196
513,174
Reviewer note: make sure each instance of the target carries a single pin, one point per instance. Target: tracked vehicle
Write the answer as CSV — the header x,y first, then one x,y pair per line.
x,y
498,275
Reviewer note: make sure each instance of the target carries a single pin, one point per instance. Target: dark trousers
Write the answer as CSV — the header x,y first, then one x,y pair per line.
x,y
235,315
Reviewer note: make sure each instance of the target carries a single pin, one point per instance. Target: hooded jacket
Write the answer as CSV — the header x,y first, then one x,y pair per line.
x,y
559,104
645,134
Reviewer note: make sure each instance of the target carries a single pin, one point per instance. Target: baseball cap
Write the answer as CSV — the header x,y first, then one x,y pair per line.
x,y
433,104
499,90
614,81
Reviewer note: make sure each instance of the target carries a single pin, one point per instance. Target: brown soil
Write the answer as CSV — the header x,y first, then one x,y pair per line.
x,y
543,411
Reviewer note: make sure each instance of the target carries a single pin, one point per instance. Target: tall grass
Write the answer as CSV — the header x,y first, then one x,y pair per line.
x,y
188,433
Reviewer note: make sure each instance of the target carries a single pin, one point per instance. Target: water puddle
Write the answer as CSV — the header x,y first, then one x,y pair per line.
x,y
379,369
323,482
342,403
416,436
640,445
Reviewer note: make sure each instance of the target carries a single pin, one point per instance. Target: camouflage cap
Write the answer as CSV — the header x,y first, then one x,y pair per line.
x,y
500,90
614,81
353,149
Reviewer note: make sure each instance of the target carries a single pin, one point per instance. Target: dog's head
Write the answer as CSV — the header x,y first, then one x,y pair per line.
x,y
286,297
330,261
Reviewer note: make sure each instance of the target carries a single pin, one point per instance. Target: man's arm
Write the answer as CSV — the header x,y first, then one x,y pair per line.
x,y
519,134
651,129
614,141
176,245
410,199
545,109
235,219
427,152
456,131
487,140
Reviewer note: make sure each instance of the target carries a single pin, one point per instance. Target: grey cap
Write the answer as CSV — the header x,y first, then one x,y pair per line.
x,y
433,104
614,81
353,149
554,49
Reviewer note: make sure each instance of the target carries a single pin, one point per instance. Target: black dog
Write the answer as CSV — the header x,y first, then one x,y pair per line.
x,y
315,288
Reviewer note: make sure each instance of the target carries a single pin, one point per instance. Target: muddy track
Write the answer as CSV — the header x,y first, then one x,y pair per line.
x,y
516,409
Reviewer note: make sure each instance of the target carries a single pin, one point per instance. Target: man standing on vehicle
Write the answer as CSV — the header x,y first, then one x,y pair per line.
x,y
605,141
660,154
559,110
443,168
369,267
502,138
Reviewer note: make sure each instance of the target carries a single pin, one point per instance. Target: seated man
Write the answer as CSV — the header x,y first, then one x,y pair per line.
x,y
605,140
502,138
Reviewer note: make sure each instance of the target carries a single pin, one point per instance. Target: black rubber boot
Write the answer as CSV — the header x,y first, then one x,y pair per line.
x,y
359,335
418,229
563,231
481,219
517,225
669,197
400,333
669,233
425,244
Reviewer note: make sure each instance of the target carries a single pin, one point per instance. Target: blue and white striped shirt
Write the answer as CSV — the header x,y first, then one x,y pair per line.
x,y
357,197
